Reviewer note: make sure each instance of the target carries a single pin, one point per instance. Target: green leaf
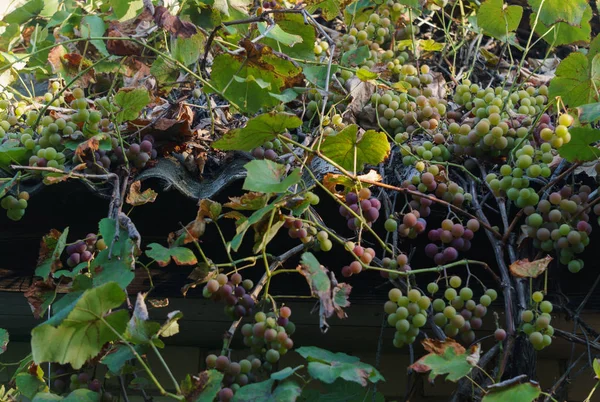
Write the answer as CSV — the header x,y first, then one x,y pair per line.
x,y
318,74
79,332
55,247
93,26
263,239
118,268
165,71
589,113
445,357
12,154
4,338
79,395
565,34
24,13
596,366
293,24
356,56
554,11
365,75
328,366
267,176
171,326
497,20
580,147
329,8
126,10
577,77
210,383
242,228
257,131
119,355
370,148
229,7
7,185
248,90
286,96
526,392
341,391
131,103
163,255
188,50
29,385
263,391
285,373
279,35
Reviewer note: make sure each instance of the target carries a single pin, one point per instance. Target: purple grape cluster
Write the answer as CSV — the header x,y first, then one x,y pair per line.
x,y
137,154
233,292
82,250
363,205
412,225
449,239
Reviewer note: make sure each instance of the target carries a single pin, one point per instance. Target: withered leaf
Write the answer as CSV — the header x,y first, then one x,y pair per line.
x,y
251,201
529,269
173,24
445,357
137,198
38,295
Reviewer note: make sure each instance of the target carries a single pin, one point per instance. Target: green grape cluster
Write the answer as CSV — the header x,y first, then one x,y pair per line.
x,y
269,337
15,206
315,102
561,223
407,314
536,322
55,86
399,114
321,47
555,136
376,31
457,312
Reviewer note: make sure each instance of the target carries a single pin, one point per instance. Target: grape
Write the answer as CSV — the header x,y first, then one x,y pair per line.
x,y
395,294
432,287
225,394
527,316
537,297
466,294
455,281
391,225
500,335
95,385
485,300
272,356
536,338
546,307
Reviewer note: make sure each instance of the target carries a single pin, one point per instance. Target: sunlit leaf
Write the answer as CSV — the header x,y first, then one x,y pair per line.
x,y
293,24
581,147
497,20
526,392
131,103
553,11
565,34
163,255
530,269
269,177
445,357
348,146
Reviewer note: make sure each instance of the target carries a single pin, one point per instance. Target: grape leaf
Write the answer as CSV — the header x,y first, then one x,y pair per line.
x,y
53,246
285,373
11,153
79,332
163,255
577,78
318,74
29,385
268,391
580,147
372,148
119,267
93,26
131,103
257,131
79,395
565,34
25,12
279,35
229,7
126,10
328,367
445,357
529,269
7,185
243,227
589,113
293,24
596,366
554,11
137,198
269,177
247,80
171,325
120,354
526,392
188,50
497,20
356,56
4,338
329,8
365,75
248,202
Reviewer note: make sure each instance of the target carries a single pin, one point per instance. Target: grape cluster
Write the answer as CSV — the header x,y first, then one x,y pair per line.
x,y
448,191
269,4
536,322
412,224
400,263
365,255
76,381
555,136
407,314
83,250
15,206
321,47
233,292
561,223
456,312
325,244
334,101
399,115
449,239
363,205
268,150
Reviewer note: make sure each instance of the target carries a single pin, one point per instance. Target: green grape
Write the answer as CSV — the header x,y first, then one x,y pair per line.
x,y
466,294
546,307
391,225
537,297
402,313
414,295
536,338
438,305
455,281
402,326
527,316
326,245
449,312
492,294
424,302
485,300
450,294
432,287
395,294
419,320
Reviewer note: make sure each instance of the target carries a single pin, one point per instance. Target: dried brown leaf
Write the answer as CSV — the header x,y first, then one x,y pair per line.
x,y
173,24
529,269
137,198
37,294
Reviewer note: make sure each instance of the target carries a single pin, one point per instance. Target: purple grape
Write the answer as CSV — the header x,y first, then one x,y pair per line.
x,y
239,311
458,244
450,254
154,154
134,149
80,246
95,385
343,211
85,256
282,321
371,214
225,290
375,203
476,323
421,225
247,301
90,239
258,153
146,146
365,205
59,385
42,162
71,248
431,250
434,235
439,259
83,378
270,154
352,224
239,291
73,259
351,198
355,209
